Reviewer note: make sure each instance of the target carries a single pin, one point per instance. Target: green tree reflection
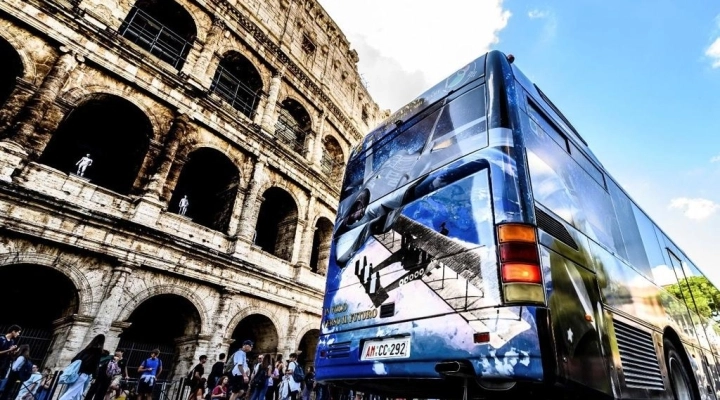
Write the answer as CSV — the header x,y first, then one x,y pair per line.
x,y
706,296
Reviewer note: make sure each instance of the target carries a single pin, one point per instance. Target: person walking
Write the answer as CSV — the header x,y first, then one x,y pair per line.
x,y
89,362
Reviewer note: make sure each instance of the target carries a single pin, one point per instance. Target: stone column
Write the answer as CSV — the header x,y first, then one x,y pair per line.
x,y
289,345
306,237
188,351
68,339
268,118
248,217
200,71
24,132
110,303
178,131
317,150
234,225
216,345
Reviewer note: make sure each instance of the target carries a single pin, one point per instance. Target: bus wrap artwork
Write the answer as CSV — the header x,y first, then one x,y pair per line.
x,y
481,249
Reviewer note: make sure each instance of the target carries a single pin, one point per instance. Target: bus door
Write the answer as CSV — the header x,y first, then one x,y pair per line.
x,y
697,292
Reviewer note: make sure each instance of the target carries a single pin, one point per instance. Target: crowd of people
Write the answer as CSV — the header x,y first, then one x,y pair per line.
x,y
95,374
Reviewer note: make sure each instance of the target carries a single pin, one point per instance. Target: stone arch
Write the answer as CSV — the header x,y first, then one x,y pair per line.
x,y
138,298
114,133
292,191
166,29
260,326
77,95
277,222
306,341
86,302
28,64
209,181
168,322
238,82
294,124
332,158
320,252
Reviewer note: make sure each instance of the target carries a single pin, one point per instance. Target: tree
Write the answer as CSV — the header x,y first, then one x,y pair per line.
x,y
698,289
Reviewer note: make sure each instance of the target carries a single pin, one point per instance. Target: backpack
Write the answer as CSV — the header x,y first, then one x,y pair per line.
x,y
190,378
25,370
298,374
70,374
229,364
112,369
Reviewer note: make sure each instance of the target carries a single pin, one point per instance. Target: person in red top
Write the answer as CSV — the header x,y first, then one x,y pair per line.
x,y
220,391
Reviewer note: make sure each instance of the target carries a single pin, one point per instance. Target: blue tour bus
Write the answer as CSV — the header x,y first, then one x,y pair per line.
x,y
481,249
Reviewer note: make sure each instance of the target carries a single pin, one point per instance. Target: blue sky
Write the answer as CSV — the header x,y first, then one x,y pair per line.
x,y
640,80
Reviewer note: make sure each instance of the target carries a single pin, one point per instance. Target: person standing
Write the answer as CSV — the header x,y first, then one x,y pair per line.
x,y
30,386
150,369
13,376
8,347
216,371
196,380
294,386
241,373
89,362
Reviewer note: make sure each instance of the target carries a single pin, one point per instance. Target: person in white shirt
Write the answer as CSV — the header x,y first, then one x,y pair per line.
x,y
294,386
240,373
31,384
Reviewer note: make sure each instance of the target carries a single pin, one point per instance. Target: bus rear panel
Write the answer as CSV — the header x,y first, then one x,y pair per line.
x,y
434,273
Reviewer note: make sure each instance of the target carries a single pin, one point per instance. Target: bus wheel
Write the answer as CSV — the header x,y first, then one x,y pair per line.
x,y
677,374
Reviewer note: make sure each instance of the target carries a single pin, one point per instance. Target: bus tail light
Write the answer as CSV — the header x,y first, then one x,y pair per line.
x,y
520,264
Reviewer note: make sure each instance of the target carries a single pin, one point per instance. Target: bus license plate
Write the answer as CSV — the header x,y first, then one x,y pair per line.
x,y
384,349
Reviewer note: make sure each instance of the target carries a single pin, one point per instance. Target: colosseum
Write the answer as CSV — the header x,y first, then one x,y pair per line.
x,y
169,173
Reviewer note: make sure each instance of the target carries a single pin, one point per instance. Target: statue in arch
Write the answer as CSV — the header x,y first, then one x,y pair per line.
x,y
83,163
184,203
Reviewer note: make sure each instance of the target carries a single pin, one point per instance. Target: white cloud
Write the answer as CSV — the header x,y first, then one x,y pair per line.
x,y
714,53
697,209
715,159
405,46
537,14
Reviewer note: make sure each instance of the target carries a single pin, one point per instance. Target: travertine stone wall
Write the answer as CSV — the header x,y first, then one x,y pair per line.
x,y
123,251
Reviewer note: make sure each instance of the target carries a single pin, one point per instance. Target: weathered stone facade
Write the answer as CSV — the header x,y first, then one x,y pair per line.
x,y
247,108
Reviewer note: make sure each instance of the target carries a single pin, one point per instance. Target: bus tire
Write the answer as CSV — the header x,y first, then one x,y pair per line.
x,y
680,383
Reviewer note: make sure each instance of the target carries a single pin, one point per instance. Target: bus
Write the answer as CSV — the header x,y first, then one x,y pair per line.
x,y
481,249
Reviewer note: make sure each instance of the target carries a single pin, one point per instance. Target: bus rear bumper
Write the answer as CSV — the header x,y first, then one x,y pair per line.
x,y
517,357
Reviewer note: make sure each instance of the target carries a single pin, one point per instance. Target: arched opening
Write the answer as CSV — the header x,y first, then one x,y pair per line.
x,y
163,28
276,223
261,330
321,246
11,68
293,125
112,131
332,158
238,83
166,322
35,296
210,181
307,347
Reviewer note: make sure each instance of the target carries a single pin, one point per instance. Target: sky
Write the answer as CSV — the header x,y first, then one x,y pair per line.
x,y
639,80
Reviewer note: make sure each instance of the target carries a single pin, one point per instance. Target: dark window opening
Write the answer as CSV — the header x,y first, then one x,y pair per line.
x,y
261,331
157,323
320,253
276,223
364,115
210,181
307,45
11,68
162,27
293,125
332,158
237,82
112,131
53,296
